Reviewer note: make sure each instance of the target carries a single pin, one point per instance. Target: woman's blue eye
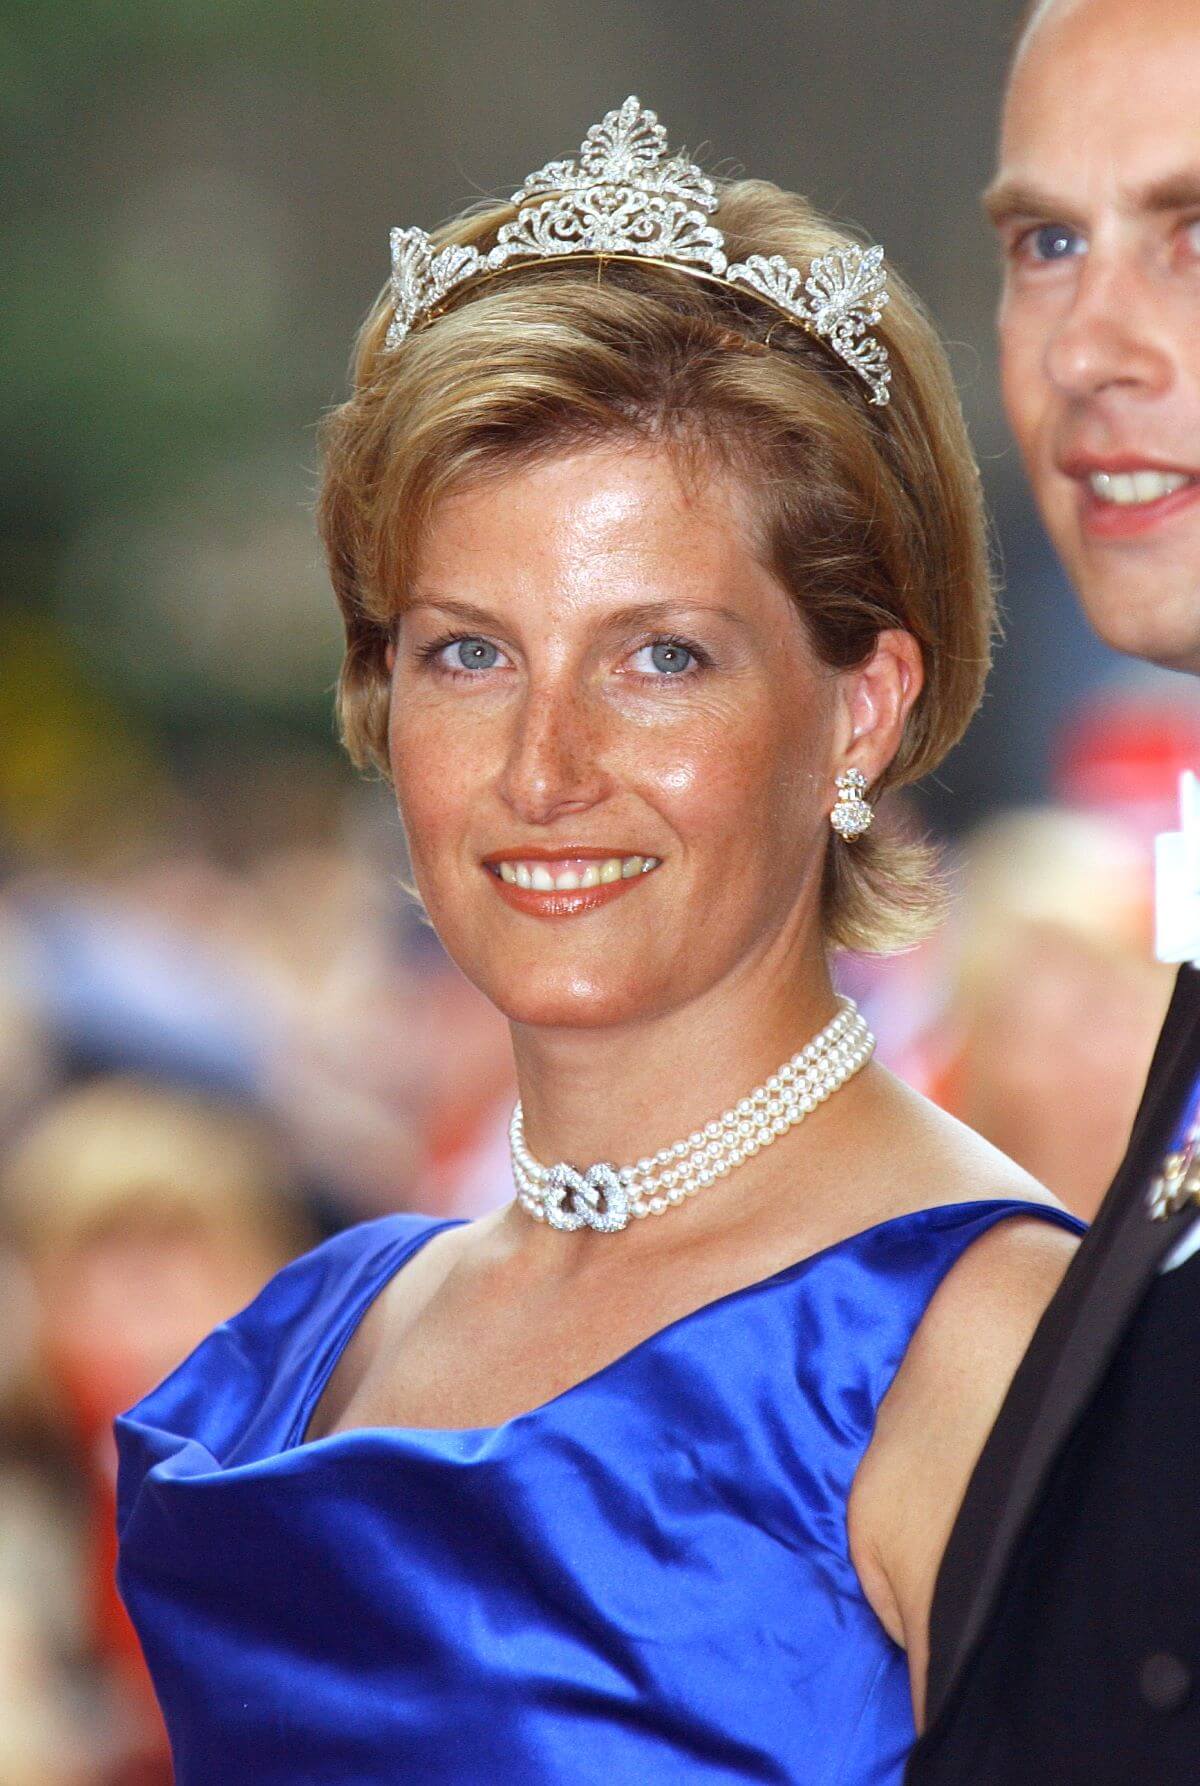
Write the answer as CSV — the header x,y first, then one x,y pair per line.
x,y
475,654
670,658
1054,241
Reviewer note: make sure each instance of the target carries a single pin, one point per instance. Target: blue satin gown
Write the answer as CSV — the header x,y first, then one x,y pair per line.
x,y
645,1581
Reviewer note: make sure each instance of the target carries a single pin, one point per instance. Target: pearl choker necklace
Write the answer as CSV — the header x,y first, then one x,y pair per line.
x,y
604,1197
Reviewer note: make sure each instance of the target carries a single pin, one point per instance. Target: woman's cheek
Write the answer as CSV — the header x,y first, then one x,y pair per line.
x,y
678,780
715,750
729,768
426,805
430,759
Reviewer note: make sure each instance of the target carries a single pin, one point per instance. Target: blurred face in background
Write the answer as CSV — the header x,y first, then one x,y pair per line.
x,y
1097,206
122,1305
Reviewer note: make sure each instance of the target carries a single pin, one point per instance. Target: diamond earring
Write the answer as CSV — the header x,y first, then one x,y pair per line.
x,y
852,815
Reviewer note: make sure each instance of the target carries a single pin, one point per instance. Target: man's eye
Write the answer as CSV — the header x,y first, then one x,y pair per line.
x,y
1051,242
666,657
470,654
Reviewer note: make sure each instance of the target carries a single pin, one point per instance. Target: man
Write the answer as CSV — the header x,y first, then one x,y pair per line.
x,y
1066,1626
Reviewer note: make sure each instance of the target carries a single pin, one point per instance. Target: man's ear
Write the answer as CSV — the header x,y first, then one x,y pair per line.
x,y
877,698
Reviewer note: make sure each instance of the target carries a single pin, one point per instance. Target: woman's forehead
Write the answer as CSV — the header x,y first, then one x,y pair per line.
x,y
604,514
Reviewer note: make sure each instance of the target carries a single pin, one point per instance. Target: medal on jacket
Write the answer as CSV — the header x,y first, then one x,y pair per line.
x,y
1177,912
1177,1181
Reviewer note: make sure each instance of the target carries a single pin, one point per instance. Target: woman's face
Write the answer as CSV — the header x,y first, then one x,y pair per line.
x,y
595,678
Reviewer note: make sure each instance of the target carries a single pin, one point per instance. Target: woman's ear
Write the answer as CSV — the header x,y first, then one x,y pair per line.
x,y
389,655
877,699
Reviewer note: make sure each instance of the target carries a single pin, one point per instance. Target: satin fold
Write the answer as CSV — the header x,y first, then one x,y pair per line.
x,y
645,1581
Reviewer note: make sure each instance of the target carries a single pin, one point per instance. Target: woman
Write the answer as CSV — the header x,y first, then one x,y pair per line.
x,y
653,559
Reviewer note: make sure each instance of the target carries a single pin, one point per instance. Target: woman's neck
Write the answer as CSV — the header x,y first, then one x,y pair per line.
x,y
619,1092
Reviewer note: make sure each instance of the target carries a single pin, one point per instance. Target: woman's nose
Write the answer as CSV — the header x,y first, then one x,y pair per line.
x,y
1110,337
554,762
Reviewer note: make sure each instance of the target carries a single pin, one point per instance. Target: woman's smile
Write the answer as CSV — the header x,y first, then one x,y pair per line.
x,y
567,883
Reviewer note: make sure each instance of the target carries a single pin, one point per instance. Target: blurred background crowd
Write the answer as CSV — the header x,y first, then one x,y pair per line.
x,y
224,1032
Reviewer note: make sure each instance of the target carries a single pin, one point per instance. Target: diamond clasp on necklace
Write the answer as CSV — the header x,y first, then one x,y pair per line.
x,y
593,1199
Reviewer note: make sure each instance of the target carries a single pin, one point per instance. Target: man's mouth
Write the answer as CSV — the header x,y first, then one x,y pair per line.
x,y
1136,489
1123,498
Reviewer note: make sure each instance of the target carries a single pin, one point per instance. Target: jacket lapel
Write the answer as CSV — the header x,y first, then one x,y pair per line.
x,y
1069,1354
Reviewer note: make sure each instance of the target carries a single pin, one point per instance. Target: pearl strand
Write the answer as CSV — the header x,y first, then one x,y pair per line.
x,y
658,1182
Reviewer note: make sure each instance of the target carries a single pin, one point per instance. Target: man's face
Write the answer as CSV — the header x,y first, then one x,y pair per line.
x,y
1097,207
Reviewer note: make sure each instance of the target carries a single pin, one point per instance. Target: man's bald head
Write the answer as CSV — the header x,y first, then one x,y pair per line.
x,y
1124,13
1033,11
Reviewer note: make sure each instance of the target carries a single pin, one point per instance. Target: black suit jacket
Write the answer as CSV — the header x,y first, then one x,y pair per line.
x,y
1065,1631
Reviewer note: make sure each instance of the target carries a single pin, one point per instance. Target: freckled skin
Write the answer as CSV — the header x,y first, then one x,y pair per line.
x,y
725,774
1101,351
638,1021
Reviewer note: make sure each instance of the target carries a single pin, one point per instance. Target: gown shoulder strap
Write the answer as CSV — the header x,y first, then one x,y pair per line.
x,y
235,1395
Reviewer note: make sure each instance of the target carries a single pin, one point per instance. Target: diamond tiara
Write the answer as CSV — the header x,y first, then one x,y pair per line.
x,y
628,198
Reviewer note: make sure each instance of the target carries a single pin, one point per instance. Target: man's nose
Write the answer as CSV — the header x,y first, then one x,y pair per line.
x,y
1109,338
554,763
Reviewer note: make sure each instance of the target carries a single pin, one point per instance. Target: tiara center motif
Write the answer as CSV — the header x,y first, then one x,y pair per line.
x,y
628,197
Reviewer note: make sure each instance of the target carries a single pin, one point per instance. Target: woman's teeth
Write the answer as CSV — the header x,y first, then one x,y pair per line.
x,y
1128,487
567,880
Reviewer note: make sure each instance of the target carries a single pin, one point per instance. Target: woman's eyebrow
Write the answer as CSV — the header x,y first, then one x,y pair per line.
x,y
635,614
445,604
654,613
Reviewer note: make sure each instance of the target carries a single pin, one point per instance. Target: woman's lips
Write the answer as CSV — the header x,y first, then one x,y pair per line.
x,y
553,895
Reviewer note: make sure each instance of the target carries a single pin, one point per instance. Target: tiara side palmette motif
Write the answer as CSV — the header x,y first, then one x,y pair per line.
x,y
628,198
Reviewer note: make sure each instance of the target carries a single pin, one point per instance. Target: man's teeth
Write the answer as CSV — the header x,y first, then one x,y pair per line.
x,y
1125,487
591,874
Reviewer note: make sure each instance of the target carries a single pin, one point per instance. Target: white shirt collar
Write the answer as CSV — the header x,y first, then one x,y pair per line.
x,y
1177,880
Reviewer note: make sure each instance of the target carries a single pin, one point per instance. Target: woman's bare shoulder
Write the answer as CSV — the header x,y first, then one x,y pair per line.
x,y
941,1160
959,1364
989,1302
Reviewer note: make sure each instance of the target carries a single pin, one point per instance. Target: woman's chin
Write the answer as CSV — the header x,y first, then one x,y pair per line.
x,y
579,1003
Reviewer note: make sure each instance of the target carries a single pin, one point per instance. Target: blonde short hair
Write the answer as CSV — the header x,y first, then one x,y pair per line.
x,y
871,518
